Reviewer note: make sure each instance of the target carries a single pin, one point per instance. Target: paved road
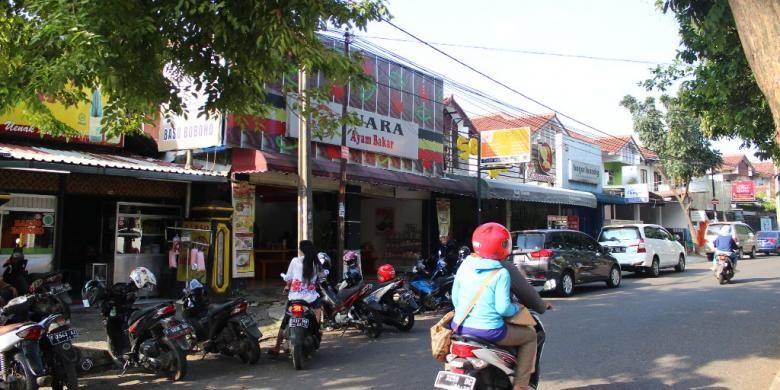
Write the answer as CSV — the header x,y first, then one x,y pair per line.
x,y
678,331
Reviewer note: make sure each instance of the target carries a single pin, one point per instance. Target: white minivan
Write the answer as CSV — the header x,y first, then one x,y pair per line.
x,y
643,248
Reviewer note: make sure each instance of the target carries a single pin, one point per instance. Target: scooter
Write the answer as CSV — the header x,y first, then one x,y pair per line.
x,y
724,271
301,333
21,363
396,304
346,308
433,290
226,328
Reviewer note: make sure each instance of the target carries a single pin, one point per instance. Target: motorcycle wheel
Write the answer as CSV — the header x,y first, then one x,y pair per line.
x,y
66,377
25,379
116,357
373,328
492,378
296,350
407,320
250,350
722,278
176,369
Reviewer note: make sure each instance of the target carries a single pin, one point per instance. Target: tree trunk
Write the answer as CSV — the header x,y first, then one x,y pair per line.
x,y
758,24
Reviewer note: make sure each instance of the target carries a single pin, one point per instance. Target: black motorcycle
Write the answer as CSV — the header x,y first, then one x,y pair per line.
x,y
301,332
225,328
395,304
55,291
150,338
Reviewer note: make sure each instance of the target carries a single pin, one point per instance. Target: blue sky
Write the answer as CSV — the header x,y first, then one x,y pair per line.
x,y
587,90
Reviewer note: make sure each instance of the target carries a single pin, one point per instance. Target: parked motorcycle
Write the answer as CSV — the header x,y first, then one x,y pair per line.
x,y
55,291
151,337
724,271
21,363
345,308
301,332
225,328
432,289
396,304
474,363
59,357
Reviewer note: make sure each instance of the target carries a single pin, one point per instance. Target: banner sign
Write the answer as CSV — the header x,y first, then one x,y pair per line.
x,y
743,191
505,146
542,166
243,230
637,193
84,118
584,172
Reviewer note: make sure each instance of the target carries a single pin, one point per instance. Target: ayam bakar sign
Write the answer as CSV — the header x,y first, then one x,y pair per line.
x,y
379,134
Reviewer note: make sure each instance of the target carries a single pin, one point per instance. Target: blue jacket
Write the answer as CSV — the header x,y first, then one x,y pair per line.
x,y
725,244
495,302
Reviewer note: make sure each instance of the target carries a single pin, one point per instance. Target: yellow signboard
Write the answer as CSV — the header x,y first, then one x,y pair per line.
x,y
85,118
505,146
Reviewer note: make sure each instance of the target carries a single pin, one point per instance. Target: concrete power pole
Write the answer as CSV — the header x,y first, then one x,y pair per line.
x,y
776,189
342,210
304,168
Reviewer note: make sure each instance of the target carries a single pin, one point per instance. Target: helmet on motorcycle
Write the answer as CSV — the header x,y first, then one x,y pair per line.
x,y
324,259
16,261
350,257
492,241
142,277
385,273
464,252
94,292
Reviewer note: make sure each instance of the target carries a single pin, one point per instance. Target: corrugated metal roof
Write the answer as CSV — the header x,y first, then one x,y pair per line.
x,y
120,161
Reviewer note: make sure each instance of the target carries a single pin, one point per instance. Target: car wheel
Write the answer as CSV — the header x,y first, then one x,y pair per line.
x,y
753,252
655,268
680,267
566,284
613,281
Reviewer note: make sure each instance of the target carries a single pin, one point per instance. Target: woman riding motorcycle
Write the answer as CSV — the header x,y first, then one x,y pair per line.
x,y
492,244
725,244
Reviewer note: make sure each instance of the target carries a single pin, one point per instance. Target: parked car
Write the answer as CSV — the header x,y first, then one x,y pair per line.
x,y
742,234
768,242
559,259
643,248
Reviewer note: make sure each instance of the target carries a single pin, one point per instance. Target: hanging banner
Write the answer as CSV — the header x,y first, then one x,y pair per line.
x,y
243,230
443,216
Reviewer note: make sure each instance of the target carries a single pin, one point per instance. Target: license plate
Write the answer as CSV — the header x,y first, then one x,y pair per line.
x,y
618,249
61,337
60,288
446,380
302,322
248,322
177,331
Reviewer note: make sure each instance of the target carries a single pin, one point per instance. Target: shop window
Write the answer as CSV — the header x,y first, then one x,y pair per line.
x,y
35,231
644,176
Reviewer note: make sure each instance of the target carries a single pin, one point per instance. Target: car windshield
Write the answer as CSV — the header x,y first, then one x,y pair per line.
x,y
715,229
767,234
532,241
619,234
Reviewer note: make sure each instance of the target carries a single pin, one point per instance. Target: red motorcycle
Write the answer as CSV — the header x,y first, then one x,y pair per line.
x,y
347,308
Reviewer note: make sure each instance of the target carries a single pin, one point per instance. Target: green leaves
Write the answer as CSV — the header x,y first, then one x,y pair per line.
x,y
231,47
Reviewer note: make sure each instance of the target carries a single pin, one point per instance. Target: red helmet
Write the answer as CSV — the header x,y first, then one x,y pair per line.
x,y
385,273
492,241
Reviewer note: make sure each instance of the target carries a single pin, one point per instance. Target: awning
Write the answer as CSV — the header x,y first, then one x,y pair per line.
x,y
253,161
524,192
610,198
115,164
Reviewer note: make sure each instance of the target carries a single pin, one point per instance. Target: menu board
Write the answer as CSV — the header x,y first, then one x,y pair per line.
x,y
243,230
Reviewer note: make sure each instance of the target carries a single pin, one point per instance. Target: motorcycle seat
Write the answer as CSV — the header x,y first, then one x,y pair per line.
x,y
213,309
474,339
9,328
345,293
135,315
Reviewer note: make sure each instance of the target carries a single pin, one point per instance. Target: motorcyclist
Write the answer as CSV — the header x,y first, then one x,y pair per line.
x,y
726,244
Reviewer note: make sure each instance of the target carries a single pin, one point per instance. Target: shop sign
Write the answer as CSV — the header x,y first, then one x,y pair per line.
x,y
584,172
698,216
743,191
542,164
505,146
188,133
27,226
636,193
243,230
571,222
378,133
85,119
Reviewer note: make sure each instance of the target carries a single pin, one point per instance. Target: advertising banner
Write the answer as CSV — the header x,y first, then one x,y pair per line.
x,y
743,191
243,230
542,166
637,193
505,146
84,118
443,216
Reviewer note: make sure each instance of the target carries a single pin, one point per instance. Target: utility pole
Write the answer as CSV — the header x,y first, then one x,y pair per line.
x,y
777,193
304,169
479,178
714,206
342,210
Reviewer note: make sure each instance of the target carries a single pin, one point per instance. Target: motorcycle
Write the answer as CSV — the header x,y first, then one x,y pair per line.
x,y
724,271
475,363
56,292
150,338
21,362
225,328
345,308
396,304
433,290
301,332
59,357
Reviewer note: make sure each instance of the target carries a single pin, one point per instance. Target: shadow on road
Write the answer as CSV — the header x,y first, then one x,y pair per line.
x,y
640,384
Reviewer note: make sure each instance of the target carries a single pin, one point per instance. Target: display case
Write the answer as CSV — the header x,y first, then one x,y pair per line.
x,y
140,237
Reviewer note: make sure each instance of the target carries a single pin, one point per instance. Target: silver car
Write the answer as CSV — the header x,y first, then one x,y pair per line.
x,y
740,232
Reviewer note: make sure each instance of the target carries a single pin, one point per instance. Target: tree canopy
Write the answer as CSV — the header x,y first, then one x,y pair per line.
x,y
717,83
227,49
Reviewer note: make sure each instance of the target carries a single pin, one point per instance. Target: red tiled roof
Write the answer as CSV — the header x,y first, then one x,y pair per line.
x,y
647,153
581,137
731,161
613,144
764,168
500,120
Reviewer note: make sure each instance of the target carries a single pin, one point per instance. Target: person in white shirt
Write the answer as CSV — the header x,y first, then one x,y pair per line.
x,y
301,279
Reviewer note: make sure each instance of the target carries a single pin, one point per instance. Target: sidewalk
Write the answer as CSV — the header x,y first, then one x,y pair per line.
x,y
267,305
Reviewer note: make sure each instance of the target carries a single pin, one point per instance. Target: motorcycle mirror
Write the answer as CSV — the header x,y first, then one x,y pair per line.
x,y
283,275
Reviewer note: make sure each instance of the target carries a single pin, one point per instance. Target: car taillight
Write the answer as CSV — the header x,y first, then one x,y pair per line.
x,y
240,308
462,350
297,310
168,309
640,247
772,240
32,333
458,370
134,327
541,255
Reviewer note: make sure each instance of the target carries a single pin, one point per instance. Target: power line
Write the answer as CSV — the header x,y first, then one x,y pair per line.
x,y
520,51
